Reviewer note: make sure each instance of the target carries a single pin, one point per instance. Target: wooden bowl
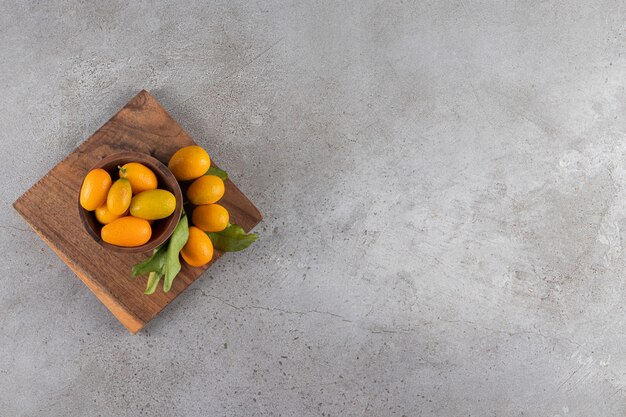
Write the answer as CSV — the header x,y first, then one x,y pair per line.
x,y
161,229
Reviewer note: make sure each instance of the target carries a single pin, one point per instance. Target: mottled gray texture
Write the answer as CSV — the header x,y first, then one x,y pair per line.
x,y
443,186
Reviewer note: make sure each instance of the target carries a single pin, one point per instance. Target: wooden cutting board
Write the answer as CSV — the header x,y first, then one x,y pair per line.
x,y
50,207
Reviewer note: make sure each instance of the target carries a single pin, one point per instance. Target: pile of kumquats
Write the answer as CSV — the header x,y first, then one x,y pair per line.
x,y
127,207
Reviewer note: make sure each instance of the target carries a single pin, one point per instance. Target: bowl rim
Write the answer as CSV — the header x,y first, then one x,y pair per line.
x,y
170,182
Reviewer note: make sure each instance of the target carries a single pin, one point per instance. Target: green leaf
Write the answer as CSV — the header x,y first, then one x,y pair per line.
x,y
153,282
171,267
217,172
152,264
164,261
232,239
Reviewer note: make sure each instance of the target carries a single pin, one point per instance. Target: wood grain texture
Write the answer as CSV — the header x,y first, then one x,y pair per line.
x,y
50,208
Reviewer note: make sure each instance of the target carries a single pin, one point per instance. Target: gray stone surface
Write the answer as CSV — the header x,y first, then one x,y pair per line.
x,y
443,185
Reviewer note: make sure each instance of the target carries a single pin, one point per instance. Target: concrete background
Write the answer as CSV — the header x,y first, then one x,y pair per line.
x,y
443,184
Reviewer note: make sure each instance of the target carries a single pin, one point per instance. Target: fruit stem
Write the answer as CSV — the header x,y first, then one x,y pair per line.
x,y
122,169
